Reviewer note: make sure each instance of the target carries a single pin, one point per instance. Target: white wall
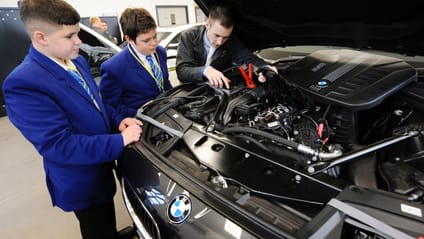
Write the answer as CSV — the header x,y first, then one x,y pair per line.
x,y
8,3
88,8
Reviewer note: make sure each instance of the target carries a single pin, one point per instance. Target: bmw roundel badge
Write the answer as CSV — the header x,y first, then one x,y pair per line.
x,y
179,209
322,83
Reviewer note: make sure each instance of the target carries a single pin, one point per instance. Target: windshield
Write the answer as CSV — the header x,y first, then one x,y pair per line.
x,y
163,35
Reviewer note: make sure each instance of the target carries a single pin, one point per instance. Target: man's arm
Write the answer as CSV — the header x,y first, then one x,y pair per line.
x,y
189,65
242,55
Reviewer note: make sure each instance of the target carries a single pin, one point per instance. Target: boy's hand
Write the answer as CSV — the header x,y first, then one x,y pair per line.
x,y
131,134
128,122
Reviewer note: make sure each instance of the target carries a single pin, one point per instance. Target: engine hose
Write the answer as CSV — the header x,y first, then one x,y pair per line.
x,y
270,136
244,99
218,111
299,147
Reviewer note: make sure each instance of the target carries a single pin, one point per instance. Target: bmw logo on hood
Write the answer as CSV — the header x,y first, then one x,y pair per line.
x,y
179,209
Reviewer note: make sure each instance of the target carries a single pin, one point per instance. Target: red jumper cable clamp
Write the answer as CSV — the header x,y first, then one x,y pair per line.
x,y
248,78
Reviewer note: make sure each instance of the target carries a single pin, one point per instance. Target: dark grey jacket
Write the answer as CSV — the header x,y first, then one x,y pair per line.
x,y
191,55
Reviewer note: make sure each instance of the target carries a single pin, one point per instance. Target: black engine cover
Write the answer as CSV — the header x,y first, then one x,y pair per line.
x,y
349,78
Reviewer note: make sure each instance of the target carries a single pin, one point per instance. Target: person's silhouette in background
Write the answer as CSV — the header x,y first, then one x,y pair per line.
x,y
101,27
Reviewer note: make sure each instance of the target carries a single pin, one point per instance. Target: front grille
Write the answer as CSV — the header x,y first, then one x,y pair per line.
x,y
141,217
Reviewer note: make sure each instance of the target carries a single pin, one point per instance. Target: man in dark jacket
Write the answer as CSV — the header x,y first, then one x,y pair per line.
x,y
206,50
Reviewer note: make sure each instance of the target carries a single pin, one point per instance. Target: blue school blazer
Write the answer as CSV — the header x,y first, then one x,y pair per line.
x,y
58,117
125,85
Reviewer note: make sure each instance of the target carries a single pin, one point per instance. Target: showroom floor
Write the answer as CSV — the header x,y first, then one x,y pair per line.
x,y
25,206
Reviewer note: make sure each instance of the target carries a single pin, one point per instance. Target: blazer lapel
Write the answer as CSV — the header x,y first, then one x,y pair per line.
x,y
142,73
62,74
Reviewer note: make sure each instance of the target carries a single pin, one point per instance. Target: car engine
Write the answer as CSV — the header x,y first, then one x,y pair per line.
x,y
331,119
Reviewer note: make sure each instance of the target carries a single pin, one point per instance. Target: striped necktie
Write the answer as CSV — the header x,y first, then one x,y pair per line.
x,y
72,69
157,73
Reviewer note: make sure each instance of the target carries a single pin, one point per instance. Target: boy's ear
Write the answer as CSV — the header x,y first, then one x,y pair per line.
x,y
127,38
39,37
207,24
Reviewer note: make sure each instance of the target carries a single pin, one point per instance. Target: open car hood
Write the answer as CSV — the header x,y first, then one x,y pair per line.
x,y
394,27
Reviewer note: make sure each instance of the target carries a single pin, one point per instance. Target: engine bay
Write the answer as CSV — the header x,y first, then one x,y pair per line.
x,y
331,119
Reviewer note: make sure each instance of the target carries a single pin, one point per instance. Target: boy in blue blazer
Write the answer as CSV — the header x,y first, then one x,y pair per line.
x,y
61,113
127,79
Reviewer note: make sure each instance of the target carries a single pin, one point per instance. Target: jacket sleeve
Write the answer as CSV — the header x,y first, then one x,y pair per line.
x,y
242,55
111,90
189,64
59,125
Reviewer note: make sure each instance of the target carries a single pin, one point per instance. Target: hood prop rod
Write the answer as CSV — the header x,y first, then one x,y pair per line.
x,y
323,166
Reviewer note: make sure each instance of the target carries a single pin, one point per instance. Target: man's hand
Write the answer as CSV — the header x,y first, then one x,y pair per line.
x,y
131,134
128,122
216,78
262,78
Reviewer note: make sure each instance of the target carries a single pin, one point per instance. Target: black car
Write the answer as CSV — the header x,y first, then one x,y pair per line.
x,y
331,147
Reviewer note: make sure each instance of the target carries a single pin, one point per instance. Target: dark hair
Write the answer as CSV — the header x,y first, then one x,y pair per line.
x,y
135,21
53,11
222,13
